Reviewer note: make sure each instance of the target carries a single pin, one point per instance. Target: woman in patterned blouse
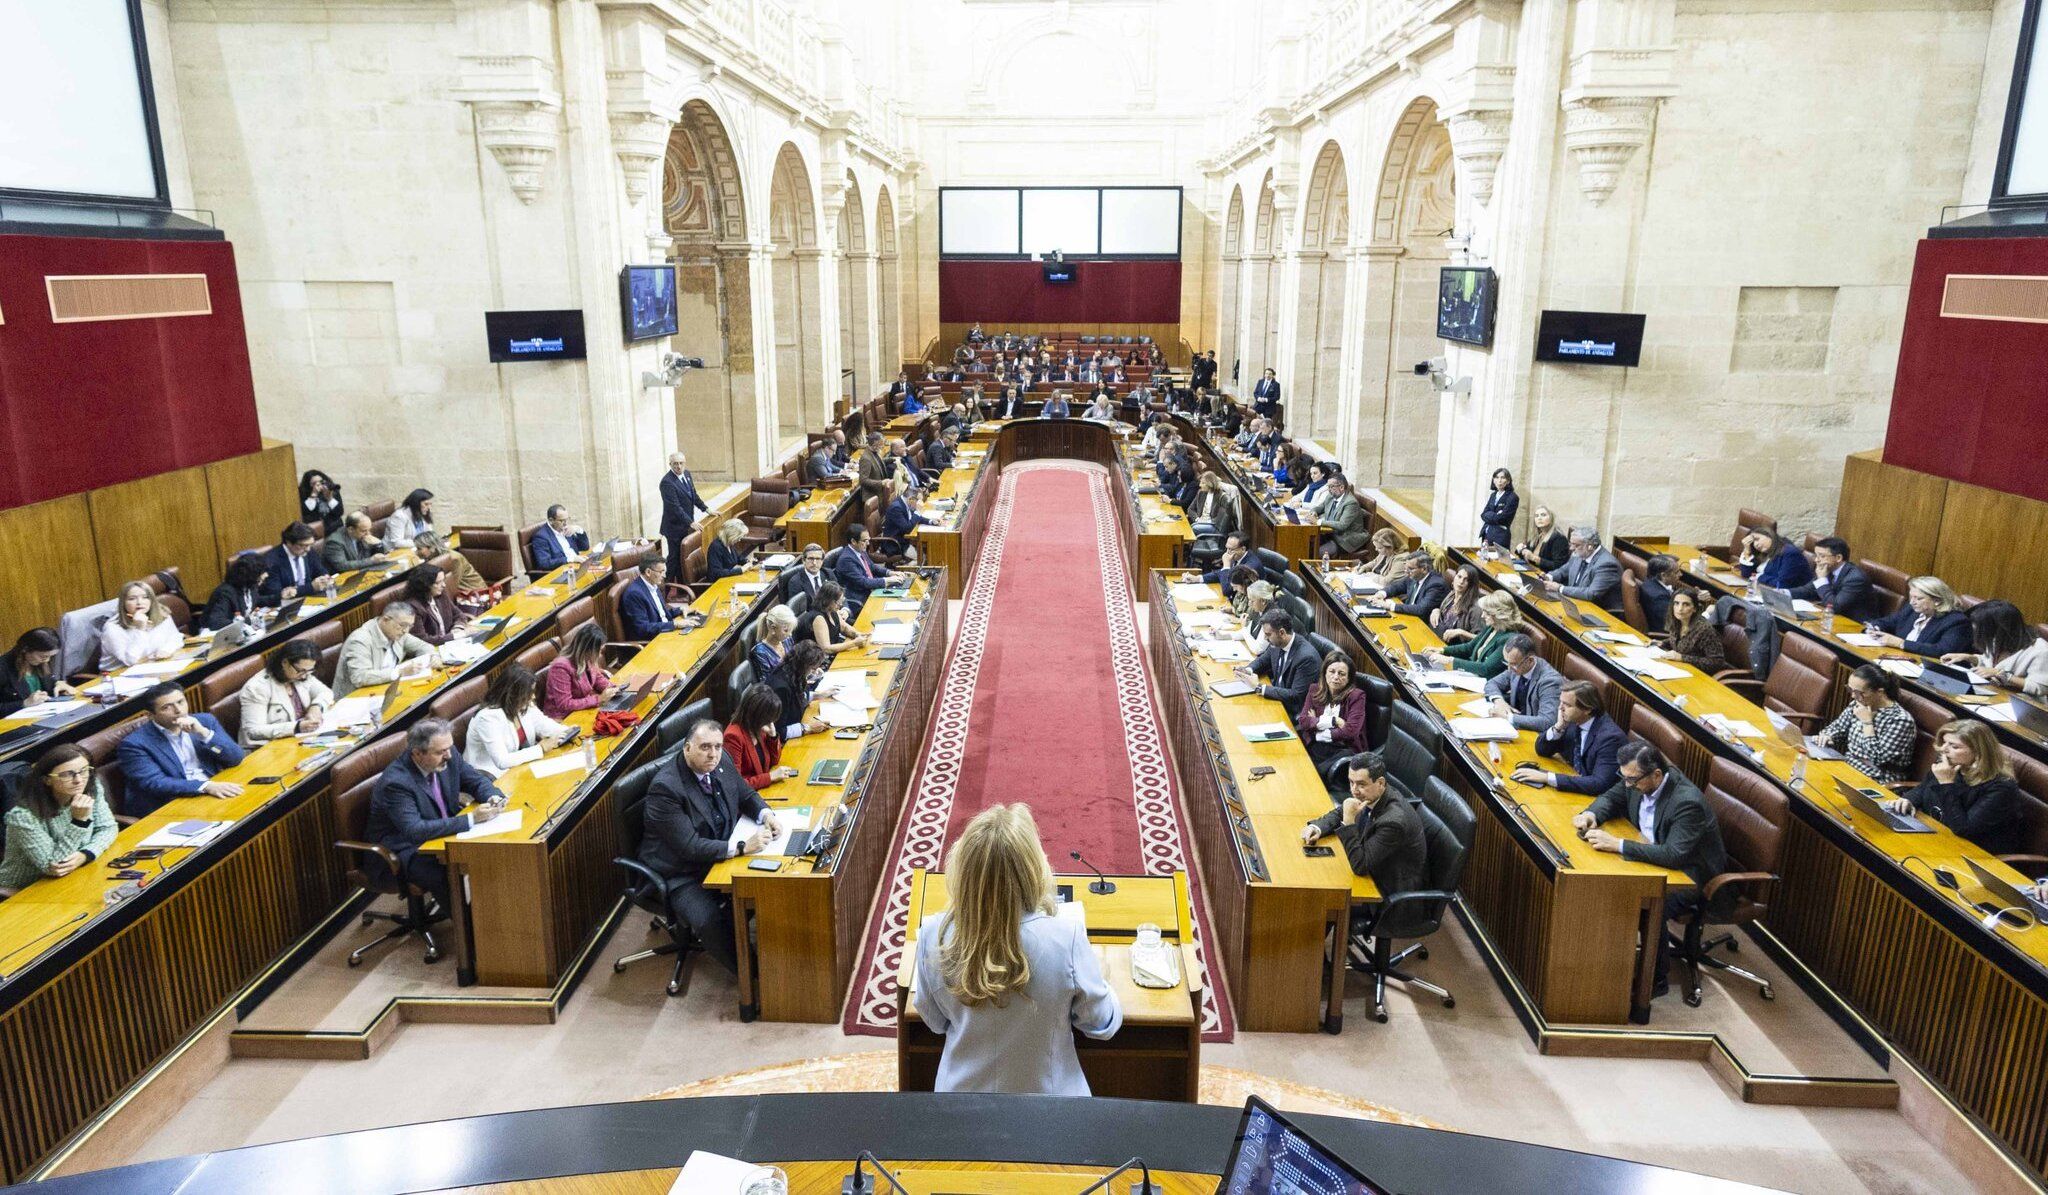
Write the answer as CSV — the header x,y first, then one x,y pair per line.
x,y
1874,731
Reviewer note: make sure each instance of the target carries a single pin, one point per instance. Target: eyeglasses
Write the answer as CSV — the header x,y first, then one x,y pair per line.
x,y
78,773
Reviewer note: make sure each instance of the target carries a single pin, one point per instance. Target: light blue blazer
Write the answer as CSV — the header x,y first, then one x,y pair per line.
x,y
1027,1046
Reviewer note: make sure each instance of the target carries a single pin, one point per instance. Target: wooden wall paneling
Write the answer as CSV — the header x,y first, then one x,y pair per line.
x,y
152,523
1889,514
252,498
1990,546
47,564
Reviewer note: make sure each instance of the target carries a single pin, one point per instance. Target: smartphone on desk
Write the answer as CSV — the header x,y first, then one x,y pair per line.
x,y
1317,852
764,864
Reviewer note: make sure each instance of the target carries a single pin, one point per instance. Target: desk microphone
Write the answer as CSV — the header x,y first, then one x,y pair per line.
x,y
1101,886
858,1183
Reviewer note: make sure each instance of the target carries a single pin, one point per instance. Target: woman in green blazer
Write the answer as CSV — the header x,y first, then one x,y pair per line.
x,y
60,821
1482,654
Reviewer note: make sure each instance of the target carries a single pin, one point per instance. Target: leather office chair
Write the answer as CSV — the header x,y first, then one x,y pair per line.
x,y
492,552
1277,569
766,502
354,785
221,693
1928,717
1632,562
526,560
1632,602
535,659
1379,707
1890,583
1677,747
736,683
1751,812
169,588
2032,777
645,890
668,733
1297,608
101,747
450,563
1801,682
459,704
1746,521
1447,830
1411,749
381,510
1324,649
1578,667
578,612
692,549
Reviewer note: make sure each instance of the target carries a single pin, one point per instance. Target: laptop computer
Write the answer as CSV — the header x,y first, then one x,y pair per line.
x,y
1571,608
288,611
1869,804
1945,678
1781,602
2026,714
2007,894
1272,1156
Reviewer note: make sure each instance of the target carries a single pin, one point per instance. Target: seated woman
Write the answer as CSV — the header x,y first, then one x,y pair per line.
x,y
1101,405
284,699
576,679
1693,636
1484,653
828,626
1547,547
793,685
1258,597
722,556
414,515
1874,730
1332,718
1457,617
438,621
2009,654
1000,941
140,629
28,672
752,740
1389,554
778,623
319,500
1307,499
235,596
1928,624
508,722
1213,505
1771,559
60,821
1970,788
473,594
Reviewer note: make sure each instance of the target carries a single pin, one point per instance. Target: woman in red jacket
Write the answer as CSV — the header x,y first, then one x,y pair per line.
x,y
576,680
751,739
1332,719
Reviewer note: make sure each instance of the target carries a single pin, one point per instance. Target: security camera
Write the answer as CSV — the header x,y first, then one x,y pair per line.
x,y
673,367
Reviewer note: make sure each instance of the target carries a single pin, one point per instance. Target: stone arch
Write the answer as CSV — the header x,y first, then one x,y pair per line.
x,y
1325,261
1262,271
796,283
888,287
1089,35
1230,301
704,215
856,293
700,189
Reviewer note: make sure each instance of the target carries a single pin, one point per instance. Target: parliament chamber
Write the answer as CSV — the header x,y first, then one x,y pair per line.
x,y
1338,597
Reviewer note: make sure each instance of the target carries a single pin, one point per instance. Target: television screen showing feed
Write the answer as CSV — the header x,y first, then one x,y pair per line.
x,y
647,295
534,335
1590,338
1464,305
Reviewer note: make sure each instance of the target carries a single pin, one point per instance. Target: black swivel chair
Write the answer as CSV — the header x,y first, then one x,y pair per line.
x,y
1297,608
668,733
736,684
1411,748
1379,707
1280,571
647,891
1324,648
1447,829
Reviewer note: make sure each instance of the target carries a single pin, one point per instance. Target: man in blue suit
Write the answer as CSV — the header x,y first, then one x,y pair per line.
x,y
416,801
1584,737
1591,575
1420,590
1839,585
175,753
679,504
1266,396
644,612
295,568
857,572
558,539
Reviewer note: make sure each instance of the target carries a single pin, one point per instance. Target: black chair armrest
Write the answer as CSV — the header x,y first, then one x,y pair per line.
x,y
646,884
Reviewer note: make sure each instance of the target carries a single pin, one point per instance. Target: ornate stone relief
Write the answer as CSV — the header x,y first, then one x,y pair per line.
x,y
517,108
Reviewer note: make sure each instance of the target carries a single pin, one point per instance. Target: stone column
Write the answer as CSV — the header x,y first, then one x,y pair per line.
x,y
1374,269
1299,360
867,356
818,341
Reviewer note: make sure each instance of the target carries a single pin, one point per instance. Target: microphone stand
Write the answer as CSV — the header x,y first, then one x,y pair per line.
x,y
860,1184
1101,885
1142,1187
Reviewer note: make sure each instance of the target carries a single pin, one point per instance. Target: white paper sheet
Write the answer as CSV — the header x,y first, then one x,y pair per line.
x,y
1996,713
156,668
167,837
778,561
544,768
1484,729
1184,592
892,634
713,1174
796,817
1225,651
1451,679
504,823
1802,606
1735,726
46,709
123,686
1642,664
900,607
1255,734
1478,707
1206,620
1859,639
838,716
351,712
1906,668
1366,582
1622,637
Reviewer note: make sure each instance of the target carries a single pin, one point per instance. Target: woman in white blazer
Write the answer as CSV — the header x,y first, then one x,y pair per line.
x,y
140,629
1004,979
509,722
2008,652
285,698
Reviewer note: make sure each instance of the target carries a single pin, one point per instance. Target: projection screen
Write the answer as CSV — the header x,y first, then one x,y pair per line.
x,y
74,66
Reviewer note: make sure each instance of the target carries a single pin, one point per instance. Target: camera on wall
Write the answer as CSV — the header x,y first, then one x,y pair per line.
x,y
1437,370
673,367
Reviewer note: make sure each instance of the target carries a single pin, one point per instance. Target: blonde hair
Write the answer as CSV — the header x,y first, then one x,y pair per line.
x,y
780,617
157,610
731,531
1499,610
996,874
1387,540
1991,761
1936,588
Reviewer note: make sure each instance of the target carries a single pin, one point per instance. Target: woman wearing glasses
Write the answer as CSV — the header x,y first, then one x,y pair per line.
x,y
60,821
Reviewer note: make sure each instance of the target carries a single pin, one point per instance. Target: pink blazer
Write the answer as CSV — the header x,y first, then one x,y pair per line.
x,y
569,689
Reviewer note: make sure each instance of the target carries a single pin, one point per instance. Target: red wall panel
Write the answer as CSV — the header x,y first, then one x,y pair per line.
x,y
1971,399
91,404
1103,292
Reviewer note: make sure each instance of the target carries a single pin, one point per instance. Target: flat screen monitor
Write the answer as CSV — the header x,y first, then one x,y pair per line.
x,y
1590,337
534,335
1464,304
647,301
1060,273
1274,1157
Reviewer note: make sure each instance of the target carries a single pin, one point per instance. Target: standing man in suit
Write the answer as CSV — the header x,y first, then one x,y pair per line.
x,y
1345,518
1289,663
873,469
1527,691
295,568
1591,575
693,807
175,753
644,612
1423,587
856,571
558,539
1381,838
1266,396
1204,369
679,504
416,801
1584,737
1678,830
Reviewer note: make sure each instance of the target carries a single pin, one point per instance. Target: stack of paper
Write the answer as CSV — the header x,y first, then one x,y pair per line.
x,y
351,712
900,607
568,761
1859,639
1622,637
838,715
47,708
1484,730
155,668
1725,726
1365,582
1642,664
184,834
848,687
1206,620
780,560
792,818
504,823
892,634
1478,707
1184,592
1449,680
1909,669
1225,651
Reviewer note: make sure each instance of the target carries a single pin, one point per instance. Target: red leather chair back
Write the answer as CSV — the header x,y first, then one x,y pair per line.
x,y
1803,679
1751,811
526,535
221,693
1684,752
1632,601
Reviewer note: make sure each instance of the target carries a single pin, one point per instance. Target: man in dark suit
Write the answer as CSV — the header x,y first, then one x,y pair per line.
x,y
1012,404
1528,690
804,580
1421,591
680,503
822,466
295,568
694,806
856,571
417,799
900,388
1591,575
938,455
1382,837
643,610
174,753
1266,396
557,540
873,467
1839,585
1678,829
1345,517
1237,551
1204,368
1289,663
1584,737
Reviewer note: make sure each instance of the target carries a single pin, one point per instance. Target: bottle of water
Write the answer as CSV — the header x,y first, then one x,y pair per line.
x,y
589,754
1799,768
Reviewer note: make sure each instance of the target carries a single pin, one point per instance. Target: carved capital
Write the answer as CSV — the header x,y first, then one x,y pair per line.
x,y
640,139
1603,133
516,106
1479,138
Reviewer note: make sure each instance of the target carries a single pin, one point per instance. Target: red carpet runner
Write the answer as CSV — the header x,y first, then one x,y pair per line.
x,y
1045,701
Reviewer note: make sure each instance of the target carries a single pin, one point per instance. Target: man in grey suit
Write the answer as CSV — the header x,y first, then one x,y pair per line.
x,y
1526,692
1345,518
351,545
1289,663
1591,575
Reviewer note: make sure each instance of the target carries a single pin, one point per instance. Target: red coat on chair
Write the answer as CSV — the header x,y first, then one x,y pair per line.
x,y
753,760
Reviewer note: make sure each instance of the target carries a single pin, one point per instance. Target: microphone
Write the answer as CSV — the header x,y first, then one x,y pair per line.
x,y
1101,886
858,1183
1142,1187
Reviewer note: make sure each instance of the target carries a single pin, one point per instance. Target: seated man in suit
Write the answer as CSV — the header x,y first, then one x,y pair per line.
x,y
857,572
1584,737
643,610
352,545
938,455
174,753
1678,829
382,650
1591,575
1237,552
417,800
1382,837
1420,591
805,580
295,569
1526,692
1289,663
1838,585
901,387
822,465
1345,517
900,519
558,540
693,807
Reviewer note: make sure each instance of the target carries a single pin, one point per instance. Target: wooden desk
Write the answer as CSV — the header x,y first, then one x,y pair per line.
x,y
955,539
1155,1055
1164,533
1258,495
1277,914
820,519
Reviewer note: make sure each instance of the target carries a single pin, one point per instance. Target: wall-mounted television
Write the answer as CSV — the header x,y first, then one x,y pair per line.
x,y
534,335
1061,273
1464,304
647,301
1590,338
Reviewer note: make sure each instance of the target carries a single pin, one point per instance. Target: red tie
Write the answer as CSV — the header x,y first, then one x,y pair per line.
x,y
865,569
